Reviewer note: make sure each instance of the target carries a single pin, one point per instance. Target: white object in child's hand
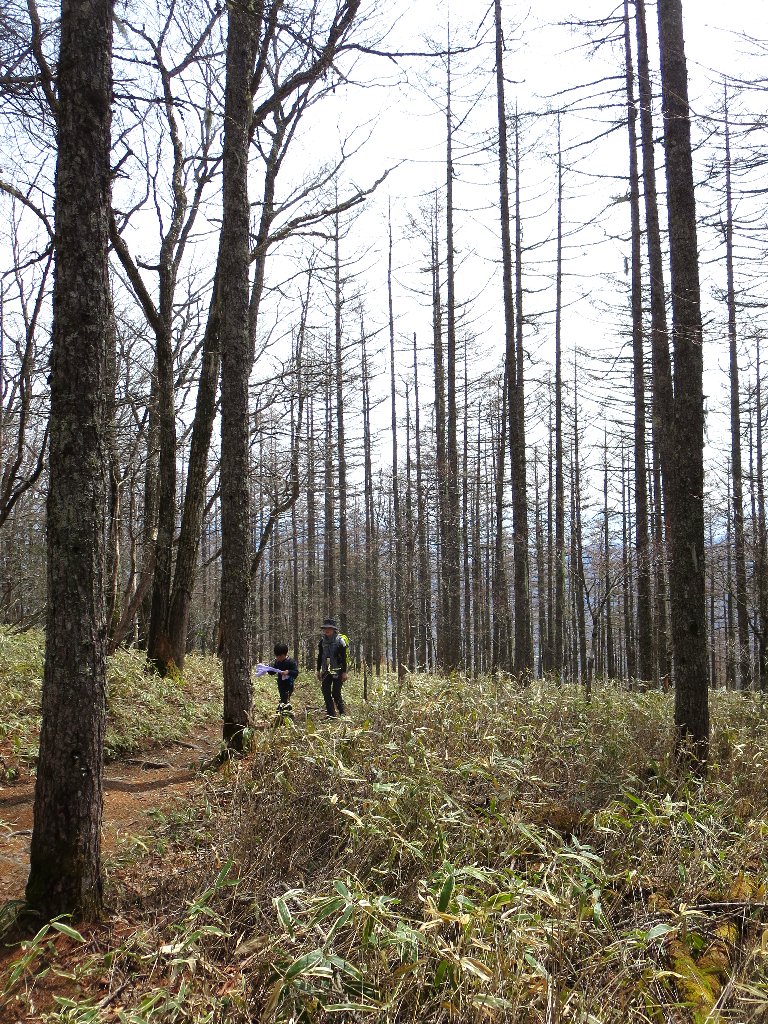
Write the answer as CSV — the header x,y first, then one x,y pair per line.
x,y
262,670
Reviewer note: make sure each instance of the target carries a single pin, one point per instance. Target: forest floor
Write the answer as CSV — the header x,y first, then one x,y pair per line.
x,y
457,851
135,788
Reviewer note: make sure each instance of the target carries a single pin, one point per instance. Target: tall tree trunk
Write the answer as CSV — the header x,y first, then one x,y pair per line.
x,y
549,662
197,479
451,540
762,537
644,630
467,631
581,581
234,258
519,459
409,544
541,578
660,584
730,634
372,583
660,359
312,609
712,584
478,619
629,611
65,857
610,660
685,487
341,460
573,579
500,601
559,609
514,371
742,613
424,616
398,652
329,527
440,449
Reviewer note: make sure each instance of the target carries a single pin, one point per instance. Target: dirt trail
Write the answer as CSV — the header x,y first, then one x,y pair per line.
x,y
132,787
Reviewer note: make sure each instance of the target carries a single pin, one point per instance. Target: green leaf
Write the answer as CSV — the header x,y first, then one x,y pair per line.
x,y
284,914
304,964
66,930
326,909
444,900
342,890
500,900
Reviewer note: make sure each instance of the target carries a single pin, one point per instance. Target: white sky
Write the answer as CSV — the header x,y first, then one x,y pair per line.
x,y
542,58
401,107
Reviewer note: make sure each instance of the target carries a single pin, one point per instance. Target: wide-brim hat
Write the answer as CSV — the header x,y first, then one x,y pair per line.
x,y
330,624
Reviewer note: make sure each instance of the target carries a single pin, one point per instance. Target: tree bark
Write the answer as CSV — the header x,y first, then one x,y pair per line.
x,y
398,652
65,865
440,450
742,612
761,558
451,538
559,609
234,258
340,439
644,629
685,459
514,374
424,605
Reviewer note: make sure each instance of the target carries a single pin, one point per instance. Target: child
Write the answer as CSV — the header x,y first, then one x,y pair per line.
x,y
287,671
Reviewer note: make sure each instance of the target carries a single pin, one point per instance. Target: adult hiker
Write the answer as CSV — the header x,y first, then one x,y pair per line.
x,y
332,667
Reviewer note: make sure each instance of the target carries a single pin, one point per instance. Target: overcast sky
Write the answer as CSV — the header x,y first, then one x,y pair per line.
x,y
545,57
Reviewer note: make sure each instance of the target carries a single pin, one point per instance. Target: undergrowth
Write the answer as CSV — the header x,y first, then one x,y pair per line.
x,y
463,851
142,708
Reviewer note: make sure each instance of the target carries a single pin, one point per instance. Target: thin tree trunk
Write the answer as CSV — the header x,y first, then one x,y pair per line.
x,y
626,558
312,610
580,596
644,630
441,458
610,660
514,370
500,601
559,610
662,619
469,625
197,478
451,540
329,529
341,458
65,856
424,617
541,583
742,613
397,568
409,531
762,539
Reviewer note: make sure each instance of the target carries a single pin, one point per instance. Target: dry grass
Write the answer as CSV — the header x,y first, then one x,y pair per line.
x,y
465,851
143,709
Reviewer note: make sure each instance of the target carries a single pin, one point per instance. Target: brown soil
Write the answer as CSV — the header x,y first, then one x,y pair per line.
x,y
132,788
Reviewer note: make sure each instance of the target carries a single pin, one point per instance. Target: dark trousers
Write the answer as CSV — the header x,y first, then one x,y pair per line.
x,y
285,689
331,684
